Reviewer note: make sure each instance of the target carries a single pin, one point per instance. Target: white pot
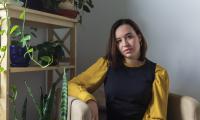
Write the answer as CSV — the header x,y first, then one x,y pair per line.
x,y
67,4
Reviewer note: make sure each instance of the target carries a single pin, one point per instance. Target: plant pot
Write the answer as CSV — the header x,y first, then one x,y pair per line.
x,y
17,56
34,4
67,13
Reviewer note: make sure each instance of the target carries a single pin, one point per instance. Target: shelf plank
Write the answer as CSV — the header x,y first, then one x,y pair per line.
x,y
49,19
36,68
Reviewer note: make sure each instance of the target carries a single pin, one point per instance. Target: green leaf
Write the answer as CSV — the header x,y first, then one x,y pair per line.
x,y
2,32
24,109
64,98
42,101
14,92
49,102
45,59
22,15
3,48
90,4
33,99
17,33
29,51
13,29
33,28
2,69
33,34
76,3
80,4
86,8
25,39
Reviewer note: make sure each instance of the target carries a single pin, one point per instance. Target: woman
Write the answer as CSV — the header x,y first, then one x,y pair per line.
x,y
135,87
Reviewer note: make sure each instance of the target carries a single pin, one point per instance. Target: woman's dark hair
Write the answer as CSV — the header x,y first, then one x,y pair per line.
x,y
113,55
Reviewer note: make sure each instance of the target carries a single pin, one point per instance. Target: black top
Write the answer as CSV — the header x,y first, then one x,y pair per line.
x,y
128,91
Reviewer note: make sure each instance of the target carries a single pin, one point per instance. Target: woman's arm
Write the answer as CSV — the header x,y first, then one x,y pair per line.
x,y
82,85
158,106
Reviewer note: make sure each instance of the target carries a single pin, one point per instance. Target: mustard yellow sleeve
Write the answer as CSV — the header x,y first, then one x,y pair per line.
x,y
158,106
88,81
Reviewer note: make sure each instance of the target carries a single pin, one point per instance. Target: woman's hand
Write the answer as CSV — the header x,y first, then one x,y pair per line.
x,y
94,109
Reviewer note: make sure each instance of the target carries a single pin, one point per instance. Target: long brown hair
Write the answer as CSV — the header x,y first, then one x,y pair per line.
x,y
113,55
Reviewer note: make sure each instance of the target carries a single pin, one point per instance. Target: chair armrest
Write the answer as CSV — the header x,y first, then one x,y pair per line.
x,y
78,110
183,108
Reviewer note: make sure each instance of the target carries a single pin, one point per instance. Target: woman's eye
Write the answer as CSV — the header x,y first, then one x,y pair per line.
x,y
118,40
129,36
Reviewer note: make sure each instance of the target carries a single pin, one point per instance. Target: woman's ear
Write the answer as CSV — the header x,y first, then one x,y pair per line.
x,y
140,38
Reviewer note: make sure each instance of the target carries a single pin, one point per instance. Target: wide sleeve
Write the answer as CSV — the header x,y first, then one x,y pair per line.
x,y
88,81
158,106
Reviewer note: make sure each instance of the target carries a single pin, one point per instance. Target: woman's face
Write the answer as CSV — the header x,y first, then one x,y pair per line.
x,y
128,42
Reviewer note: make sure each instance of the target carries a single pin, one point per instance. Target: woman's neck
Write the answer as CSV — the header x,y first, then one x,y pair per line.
x,y
133,63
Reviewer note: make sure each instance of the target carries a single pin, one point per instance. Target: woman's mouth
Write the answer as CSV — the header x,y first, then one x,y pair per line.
x,y
128,50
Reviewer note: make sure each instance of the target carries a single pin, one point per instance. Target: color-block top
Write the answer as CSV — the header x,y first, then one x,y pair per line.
x,y
87,82
128,91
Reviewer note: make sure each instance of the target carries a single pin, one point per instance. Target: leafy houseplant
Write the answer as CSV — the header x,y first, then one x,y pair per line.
x,y
50,5
18,55
45,106
23,39
83,6
54,49
71,8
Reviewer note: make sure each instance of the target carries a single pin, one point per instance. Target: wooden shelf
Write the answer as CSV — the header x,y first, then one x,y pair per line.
x,y
37,19
44,18
36,68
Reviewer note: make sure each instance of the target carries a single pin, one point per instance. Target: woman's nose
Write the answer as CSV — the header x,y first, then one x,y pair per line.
x,y
124,42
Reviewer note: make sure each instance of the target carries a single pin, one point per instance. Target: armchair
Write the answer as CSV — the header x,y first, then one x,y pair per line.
x,y
179,108
183,108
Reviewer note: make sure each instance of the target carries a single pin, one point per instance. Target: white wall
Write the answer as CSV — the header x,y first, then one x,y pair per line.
x,y
171,28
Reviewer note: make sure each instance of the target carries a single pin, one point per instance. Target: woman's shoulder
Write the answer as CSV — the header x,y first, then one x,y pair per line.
x,y
101,58
161,75
160,69
100,62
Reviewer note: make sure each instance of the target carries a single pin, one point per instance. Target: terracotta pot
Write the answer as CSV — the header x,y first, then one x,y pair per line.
x,y
67,13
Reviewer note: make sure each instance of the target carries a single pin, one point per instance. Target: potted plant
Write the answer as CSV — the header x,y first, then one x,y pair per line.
x,y
71,8
18,48
18,57
50,5
52,49
46,104
78,5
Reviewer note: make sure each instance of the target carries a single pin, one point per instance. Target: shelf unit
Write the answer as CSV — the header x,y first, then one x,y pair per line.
x,y
44,20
